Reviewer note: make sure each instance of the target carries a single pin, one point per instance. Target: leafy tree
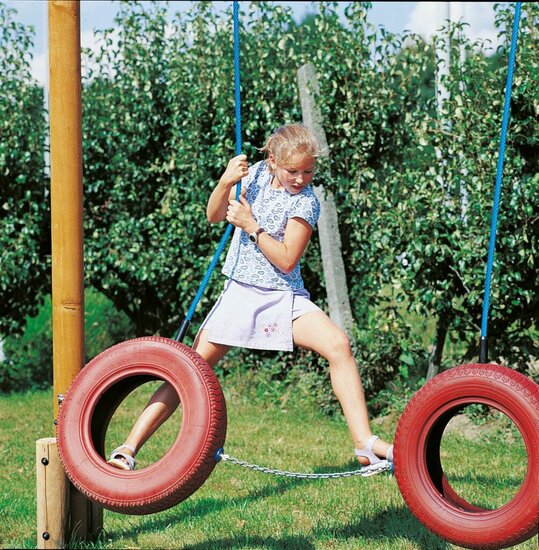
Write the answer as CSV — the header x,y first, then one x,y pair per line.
x,y
158,127
24,221
446,257
158,130
443,241
370,96
409,237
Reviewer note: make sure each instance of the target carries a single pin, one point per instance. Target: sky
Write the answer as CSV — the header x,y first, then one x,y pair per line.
x,y
423,18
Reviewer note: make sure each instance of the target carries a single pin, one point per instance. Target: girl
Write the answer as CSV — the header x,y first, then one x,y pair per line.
x,y
264,293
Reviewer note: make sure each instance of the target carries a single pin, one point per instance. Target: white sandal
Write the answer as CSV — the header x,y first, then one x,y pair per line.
x,y
115,456
368,453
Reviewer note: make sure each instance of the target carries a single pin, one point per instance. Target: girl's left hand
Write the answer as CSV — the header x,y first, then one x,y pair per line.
x,y
239,213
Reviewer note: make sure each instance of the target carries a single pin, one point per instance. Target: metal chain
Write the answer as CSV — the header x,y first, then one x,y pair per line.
x,y
366,471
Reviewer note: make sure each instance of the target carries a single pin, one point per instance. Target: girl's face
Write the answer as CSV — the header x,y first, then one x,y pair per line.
x,y
293,175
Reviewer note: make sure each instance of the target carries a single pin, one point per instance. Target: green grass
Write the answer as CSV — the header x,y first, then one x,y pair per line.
x,y
238,508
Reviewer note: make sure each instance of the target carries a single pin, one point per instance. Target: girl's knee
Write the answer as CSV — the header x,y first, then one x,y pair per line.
x,y
339,345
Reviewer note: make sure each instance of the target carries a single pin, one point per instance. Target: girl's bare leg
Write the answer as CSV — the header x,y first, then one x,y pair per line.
x,y
165,399
315,331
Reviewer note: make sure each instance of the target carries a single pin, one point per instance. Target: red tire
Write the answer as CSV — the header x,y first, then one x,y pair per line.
x,y
99,389
418,467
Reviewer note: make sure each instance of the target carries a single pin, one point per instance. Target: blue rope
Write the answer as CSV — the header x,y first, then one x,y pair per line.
x,y
237,97
499,173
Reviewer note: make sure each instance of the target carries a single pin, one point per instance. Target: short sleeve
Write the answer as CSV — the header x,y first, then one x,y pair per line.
x,y
254,171
307,207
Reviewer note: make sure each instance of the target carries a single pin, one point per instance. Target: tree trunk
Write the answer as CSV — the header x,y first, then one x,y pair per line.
x,y
340,311
436,355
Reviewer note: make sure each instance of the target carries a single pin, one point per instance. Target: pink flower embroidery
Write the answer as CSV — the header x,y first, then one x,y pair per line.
x,y
271,327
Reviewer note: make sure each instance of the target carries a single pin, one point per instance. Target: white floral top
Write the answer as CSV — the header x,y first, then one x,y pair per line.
x,y
271,208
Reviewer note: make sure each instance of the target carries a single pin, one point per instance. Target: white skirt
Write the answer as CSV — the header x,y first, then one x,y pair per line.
x,y
259,318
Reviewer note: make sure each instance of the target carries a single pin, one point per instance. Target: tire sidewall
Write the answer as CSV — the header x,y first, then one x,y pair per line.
x,y
492,385
192,450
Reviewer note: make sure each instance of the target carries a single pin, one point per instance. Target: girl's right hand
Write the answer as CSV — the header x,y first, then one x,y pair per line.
x,y
237,168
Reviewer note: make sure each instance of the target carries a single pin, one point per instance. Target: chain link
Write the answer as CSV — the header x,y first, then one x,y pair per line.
x,y
366,471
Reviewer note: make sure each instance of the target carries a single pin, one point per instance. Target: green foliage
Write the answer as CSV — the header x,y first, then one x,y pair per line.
x,y
24,220
104,326
277,377
445,236
416,190
393,398
28,355
413,183
28,361
158,129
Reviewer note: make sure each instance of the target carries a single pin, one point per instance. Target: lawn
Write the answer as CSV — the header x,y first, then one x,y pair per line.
x,y
238,508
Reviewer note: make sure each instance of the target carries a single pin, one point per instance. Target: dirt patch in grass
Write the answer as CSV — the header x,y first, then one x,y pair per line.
x,y
465,427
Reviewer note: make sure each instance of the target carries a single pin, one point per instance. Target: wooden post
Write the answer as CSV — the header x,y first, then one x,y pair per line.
x,y
63,513
85,517
328,224
66,194
52,495
81,518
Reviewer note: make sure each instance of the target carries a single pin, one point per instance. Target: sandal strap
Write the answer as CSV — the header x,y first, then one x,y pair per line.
x,y
367,452
131,462
126,446
129,459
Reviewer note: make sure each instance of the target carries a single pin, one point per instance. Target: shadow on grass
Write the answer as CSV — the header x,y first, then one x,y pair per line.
x,y
391,525
485,480
293,543
204,506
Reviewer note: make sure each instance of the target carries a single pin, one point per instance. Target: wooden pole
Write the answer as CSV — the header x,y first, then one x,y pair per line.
x,y
80,519
66,194
340,310
52,495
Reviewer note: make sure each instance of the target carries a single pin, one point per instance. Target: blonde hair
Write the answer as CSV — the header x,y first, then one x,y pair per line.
x,y
289,140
